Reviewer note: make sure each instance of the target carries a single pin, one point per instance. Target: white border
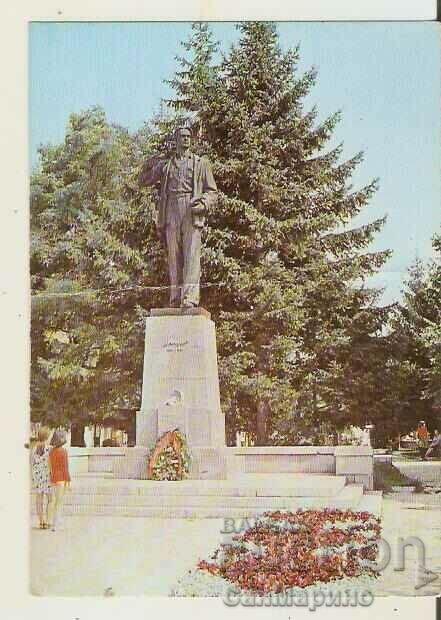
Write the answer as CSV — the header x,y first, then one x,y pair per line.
x,y
15,601
220,10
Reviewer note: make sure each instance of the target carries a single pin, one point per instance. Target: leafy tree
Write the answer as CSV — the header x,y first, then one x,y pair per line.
x,y
418,324
91,235
432,331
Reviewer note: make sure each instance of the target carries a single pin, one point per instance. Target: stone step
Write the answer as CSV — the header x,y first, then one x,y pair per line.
x,y
163,512
349,497
246,485
294,485
416,499
345,497
180,506
172,501
175,513
372,501
91,475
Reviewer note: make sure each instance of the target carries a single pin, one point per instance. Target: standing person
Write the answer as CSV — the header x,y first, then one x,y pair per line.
x,y
187,188
60,478
422,437
40,471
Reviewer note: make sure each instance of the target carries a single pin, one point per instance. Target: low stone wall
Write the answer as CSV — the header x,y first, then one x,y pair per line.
x,y
94,460
282,459
132,463
209,464
426,472
353,462
356,463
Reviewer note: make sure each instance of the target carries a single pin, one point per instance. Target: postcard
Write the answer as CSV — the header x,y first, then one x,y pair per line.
x,y
234,268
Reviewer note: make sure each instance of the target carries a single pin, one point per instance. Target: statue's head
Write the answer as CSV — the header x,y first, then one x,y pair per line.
x,y
182,139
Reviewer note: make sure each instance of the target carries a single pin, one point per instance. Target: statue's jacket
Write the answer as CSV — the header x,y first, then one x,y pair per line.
x,y
157,171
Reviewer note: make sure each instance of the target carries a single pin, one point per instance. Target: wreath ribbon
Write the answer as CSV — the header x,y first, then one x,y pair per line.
x,y
170,439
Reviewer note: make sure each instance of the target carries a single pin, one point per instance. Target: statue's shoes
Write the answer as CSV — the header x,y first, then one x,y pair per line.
x,y
188,304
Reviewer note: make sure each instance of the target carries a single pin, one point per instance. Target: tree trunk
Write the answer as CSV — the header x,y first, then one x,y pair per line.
x,y
77,435
131,431
262,423
230,436
96,435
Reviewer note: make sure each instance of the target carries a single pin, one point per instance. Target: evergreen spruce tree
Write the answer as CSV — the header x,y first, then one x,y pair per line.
x,y
300,337
292,321
197,74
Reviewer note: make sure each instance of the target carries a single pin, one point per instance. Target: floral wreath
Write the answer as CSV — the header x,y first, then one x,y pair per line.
x,y
170,458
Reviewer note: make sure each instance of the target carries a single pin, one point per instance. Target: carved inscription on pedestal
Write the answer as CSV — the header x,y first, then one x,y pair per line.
x,y
175,345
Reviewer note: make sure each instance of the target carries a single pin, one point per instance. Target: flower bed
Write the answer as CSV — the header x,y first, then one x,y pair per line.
x,y
286,550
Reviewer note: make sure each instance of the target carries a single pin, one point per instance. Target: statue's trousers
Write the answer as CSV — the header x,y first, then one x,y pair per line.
x,y
184,251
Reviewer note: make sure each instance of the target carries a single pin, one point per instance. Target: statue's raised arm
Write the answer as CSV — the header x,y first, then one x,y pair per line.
x,y
151,170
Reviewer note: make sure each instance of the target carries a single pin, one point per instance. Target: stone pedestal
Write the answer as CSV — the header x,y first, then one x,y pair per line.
x,y
131,464
356,463
180,383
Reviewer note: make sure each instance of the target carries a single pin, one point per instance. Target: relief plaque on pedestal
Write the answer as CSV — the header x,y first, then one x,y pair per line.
x,y
172,415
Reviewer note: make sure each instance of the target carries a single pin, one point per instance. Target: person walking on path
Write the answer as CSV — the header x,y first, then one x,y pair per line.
x,y
40,472
422,437
60,478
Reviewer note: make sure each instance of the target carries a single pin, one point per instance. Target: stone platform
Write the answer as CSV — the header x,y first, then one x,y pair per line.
x,y
353,463
243,496
181,391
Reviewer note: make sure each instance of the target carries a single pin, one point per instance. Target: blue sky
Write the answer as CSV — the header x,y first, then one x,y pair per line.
x,y
385,77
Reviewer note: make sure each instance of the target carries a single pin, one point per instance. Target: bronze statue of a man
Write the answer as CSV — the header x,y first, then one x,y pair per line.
x,y
187,187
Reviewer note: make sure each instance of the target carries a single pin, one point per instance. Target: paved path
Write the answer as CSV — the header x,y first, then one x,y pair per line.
x,y
89,555
419,517
134,556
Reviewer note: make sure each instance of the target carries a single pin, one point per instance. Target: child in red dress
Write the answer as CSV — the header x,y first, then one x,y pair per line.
x,y
60,478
